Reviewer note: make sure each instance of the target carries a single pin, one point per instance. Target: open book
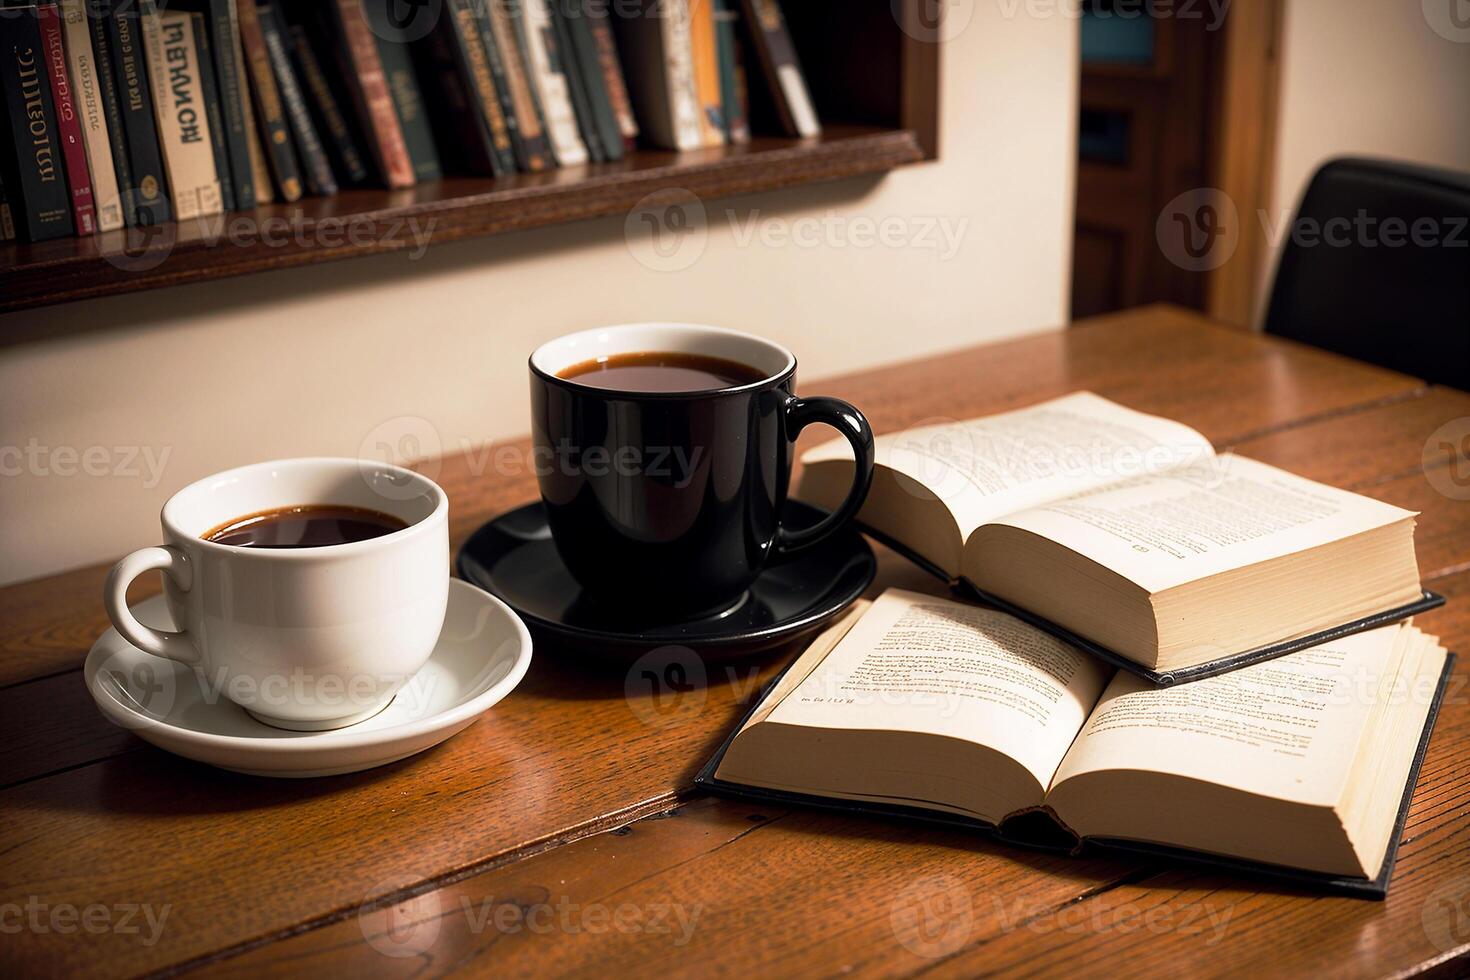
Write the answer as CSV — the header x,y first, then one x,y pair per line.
x,y
922,705
1127,534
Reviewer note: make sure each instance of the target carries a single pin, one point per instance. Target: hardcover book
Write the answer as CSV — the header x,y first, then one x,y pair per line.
x,y
1301,768
275,129
613,82
34,172
705,53
328,104
183,118
782,72
1129,535
468,48
227,60
528,136
82,69
145,195
658,52
110,100
209,88
310,152
549,81
68,121
732,72
595,120
372,97
403,85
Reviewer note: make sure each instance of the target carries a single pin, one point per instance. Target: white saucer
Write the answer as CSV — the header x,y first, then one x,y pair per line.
x,y
482,654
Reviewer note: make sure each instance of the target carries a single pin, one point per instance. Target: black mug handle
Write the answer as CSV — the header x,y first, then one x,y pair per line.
x,y
802,412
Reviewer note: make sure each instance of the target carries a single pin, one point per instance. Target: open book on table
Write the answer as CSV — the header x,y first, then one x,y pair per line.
x,y
916,705
1128,535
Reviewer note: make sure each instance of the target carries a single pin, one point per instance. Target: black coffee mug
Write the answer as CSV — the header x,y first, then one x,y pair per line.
x,y
668,503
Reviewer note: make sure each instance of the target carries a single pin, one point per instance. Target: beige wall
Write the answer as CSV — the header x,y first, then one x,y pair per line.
x,y
315,361
1372,78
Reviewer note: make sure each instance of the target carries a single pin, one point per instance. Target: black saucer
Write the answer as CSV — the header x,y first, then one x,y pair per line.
x,y
513,558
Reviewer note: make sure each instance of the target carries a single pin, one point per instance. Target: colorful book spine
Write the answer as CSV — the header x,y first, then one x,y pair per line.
x,y
374,99
584,54
533,151
146,199
183,120
82,70
274,128
705,53
209,88
477,68
403,85
111,102
544,59
615,85
313,156
68,120
349,158
733,95
237,177
34,171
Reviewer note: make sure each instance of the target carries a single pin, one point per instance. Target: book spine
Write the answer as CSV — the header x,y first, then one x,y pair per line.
x,y
332,123
477,66
68,123
732,73
274,128
583,48
183,122
544,58
223,38
704,49
612,76
35,171
7,217
683,92
403,85
111,101
453,106
375,104
782,71
82,70
313,157
534,152
148,204
214,112
493,58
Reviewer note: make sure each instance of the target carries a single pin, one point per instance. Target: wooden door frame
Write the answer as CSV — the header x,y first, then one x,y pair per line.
x,y
1248,102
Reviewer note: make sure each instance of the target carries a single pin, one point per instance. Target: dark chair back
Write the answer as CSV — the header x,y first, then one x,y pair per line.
x,y
1377,267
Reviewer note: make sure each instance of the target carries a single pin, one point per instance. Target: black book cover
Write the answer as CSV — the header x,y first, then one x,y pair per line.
x,y
582,50
270,113
464,139
145,197
237,177
576,85
319,177
213,110
498,72
7,220
403,85
1037,831
117,137
475,66
327,102
33,168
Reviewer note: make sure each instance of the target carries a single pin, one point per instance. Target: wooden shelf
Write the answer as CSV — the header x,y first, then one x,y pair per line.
x,y
284,236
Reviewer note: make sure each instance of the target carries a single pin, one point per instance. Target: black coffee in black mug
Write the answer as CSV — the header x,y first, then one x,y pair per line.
x,y
664,456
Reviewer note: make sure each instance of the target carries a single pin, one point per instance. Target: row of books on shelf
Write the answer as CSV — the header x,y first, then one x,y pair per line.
x,y
136,112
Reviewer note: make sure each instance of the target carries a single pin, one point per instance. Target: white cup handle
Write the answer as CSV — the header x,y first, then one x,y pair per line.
x,y
173,563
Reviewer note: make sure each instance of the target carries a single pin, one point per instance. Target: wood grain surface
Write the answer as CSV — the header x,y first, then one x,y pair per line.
x,y
559,835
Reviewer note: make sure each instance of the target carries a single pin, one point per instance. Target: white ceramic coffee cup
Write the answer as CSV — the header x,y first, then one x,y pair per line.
x,y
305,639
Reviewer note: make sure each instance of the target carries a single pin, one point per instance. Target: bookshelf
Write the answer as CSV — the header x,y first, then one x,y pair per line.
x,y
874,83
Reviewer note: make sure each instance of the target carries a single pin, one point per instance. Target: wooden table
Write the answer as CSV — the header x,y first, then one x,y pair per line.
x,y
559,834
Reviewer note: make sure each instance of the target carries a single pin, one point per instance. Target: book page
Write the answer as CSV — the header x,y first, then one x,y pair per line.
x,y
922,664
1227,512
1288,728
987,467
